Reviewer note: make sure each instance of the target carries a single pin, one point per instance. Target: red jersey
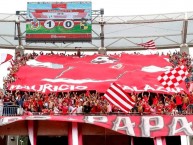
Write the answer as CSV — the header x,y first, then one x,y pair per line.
x,y
170,107
178,100
40,103
64,109
26,104
147,108
94,109
146,99
155,101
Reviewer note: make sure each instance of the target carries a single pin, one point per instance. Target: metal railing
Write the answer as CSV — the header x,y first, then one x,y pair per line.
x,y
15,110
10,110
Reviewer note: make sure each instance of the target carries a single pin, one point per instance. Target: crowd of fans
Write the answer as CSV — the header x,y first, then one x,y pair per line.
x,y
92,101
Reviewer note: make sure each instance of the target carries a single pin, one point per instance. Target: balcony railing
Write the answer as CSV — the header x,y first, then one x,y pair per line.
x,y
15,110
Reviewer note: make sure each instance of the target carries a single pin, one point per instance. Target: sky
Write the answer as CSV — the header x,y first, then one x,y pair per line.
x,y
111,8
114,7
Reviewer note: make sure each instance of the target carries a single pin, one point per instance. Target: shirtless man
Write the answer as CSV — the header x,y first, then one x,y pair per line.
x,y
186,103
185,100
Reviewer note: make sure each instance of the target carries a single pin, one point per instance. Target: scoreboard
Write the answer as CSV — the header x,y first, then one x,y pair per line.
x,y
59,22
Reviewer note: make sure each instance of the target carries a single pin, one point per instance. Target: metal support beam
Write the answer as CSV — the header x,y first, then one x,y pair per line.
x,y
100,39
102,49
184,29
20,47
89,49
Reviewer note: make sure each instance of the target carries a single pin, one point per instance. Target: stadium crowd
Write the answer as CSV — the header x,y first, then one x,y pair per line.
x,y
91,101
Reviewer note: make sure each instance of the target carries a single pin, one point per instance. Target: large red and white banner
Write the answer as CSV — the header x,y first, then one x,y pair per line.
x,y
56,73
140,126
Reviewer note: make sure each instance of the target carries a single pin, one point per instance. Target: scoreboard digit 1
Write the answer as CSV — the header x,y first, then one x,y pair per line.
x,y
49,24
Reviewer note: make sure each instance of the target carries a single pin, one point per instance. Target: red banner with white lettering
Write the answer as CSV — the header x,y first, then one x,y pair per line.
x,y
140,126
57,73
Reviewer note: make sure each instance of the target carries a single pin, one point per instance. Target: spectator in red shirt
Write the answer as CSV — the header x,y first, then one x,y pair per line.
x,y
178,99
147,108
160,107
155,100
64,108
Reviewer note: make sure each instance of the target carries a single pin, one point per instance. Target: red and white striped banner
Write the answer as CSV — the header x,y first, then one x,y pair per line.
x,y
118,97
74,134
148,45
159,141
32,131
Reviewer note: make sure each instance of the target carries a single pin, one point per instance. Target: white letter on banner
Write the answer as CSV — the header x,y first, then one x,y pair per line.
x,y
127,125
40,89
47,86
148,87
160,88
92,119
63,87
27,87
71,87
12,87
18,87
185,126
55,88
146,126
81,87
135,89
127,88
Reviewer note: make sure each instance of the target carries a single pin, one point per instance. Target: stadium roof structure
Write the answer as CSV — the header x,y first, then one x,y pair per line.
x,y
120,32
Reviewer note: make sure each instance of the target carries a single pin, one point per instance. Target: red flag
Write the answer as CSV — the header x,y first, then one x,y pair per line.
x,y
159,141
148,45
118,97
174,77
5,57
